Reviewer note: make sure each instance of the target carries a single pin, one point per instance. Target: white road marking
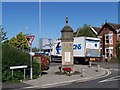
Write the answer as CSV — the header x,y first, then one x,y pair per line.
x,y
108,73
30,87
110,79
115,69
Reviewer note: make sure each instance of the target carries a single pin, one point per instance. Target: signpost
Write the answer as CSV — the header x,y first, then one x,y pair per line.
x,y
30,39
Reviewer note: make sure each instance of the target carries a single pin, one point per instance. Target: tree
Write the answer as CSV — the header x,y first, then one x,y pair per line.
x,y
34,49
86,31
19,41
6,42
2,34
13,42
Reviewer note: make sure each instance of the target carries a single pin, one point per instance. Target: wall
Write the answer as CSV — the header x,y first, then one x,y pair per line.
x,y
107,30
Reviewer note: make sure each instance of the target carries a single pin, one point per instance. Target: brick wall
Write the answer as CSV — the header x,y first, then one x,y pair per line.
x,y
106,30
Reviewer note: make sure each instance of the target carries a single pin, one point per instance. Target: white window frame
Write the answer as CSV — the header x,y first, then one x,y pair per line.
x,y
106,52
109,48
106,39
109,39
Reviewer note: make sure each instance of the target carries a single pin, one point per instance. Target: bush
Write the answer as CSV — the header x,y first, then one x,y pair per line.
x,y
113,60
36,69
14,57
47,57
44,63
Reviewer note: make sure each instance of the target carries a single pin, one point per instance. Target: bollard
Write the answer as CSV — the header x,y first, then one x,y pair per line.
x,y
60,68
90,63
83,72
98,68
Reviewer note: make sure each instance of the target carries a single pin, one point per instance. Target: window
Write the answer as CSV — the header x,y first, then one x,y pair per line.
x,y
111,39
106,39
106,52
111,52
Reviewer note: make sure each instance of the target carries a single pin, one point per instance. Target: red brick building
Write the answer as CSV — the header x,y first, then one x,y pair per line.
x,y
109,33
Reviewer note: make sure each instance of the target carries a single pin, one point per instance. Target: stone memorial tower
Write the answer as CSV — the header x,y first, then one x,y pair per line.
x,y
67,45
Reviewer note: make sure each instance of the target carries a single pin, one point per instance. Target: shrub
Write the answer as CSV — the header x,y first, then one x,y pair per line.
x,y
44,63
113,59
36,69
47,57
14,57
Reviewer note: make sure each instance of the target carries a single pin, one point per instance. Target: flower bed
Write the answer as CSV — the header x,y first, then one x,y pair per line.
x,y
67,70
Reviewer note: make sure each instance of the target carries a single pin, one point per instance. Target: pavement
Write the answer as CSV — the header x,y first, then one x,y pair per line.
x,y
52,78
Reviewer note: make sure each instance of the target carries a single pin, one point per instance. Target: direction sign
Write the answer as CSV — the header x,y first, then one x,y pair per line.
x,y
30,39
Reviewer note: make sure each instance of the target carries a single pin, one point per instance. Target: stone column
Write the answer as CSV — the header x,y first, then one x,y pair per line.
x,y
67,46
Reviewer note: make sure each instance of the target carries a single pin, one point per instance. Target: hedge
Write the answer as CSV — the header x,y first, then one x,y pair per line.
x,y
14,57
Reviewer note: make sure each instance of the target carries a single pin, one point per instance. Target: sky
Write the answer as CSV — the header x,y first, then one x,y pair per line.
x,y
46,19
21,17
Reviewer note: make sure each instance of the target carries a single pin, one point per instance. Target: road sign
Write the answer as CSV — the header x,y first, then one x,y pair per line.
x,y
30,39
58,48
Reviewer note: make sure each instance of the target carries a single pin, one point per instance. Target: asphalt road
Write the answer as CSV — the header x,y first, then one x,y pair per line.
x,y
111,81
